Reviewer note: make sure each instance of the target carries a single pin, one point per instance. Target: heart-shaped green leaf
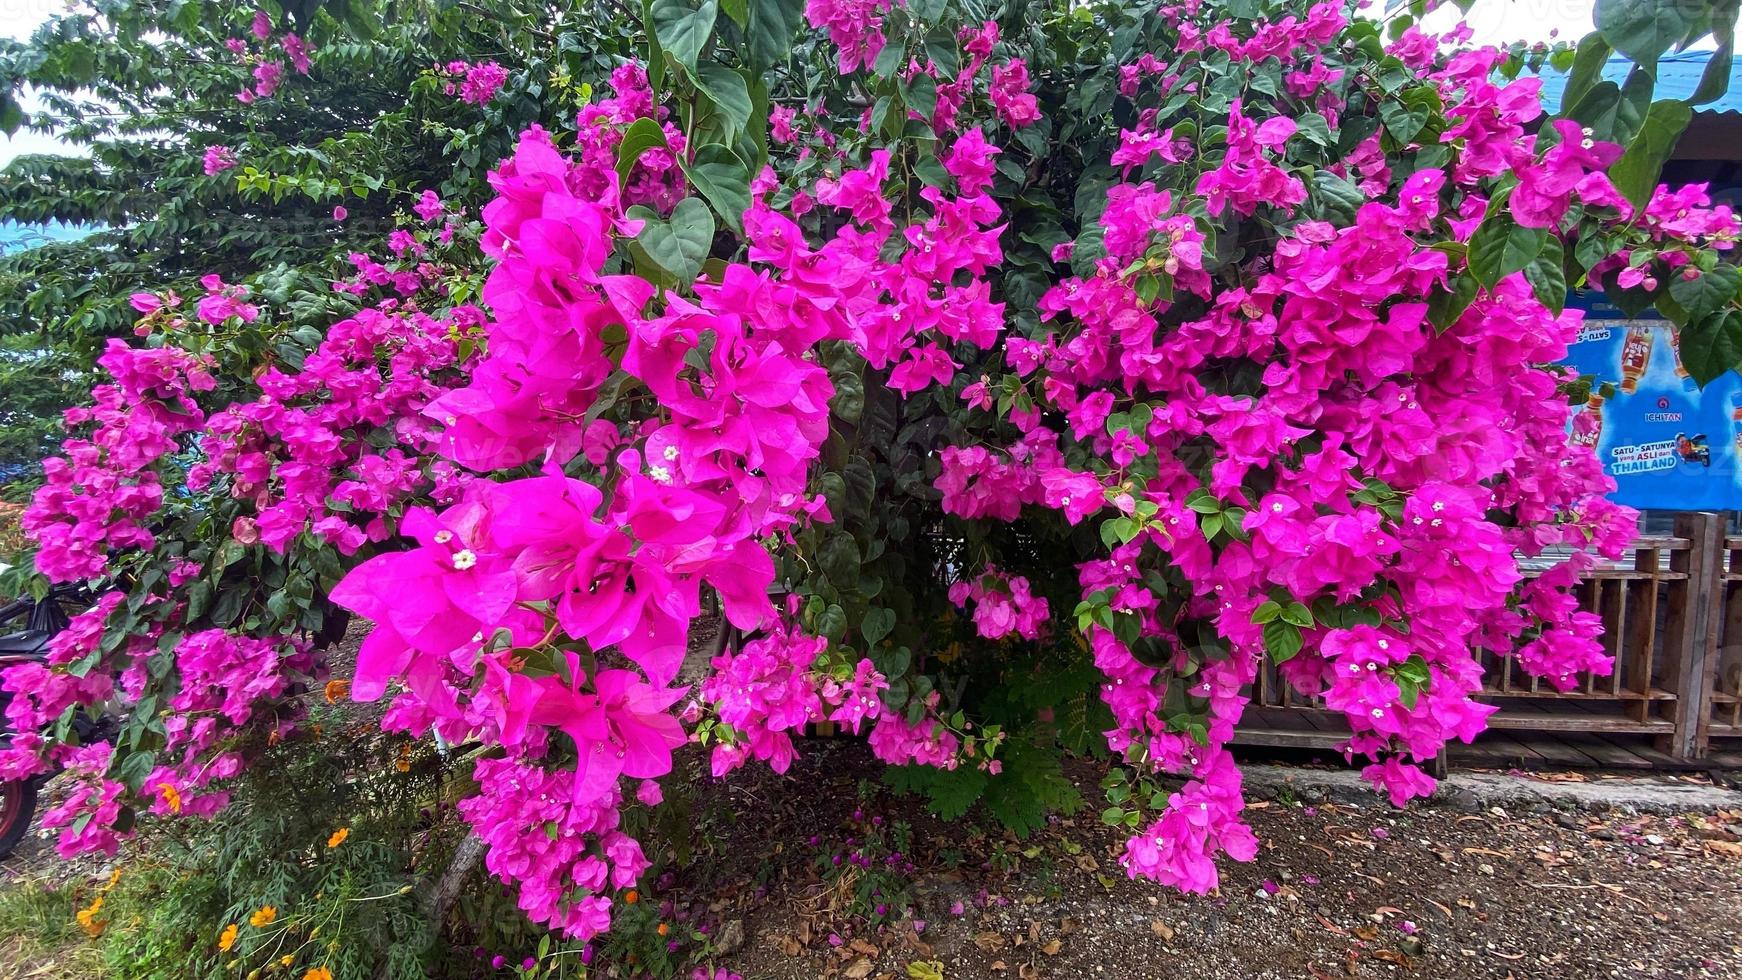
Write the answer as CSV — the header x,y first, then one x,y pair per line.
x,y
728,92
724,180
680,244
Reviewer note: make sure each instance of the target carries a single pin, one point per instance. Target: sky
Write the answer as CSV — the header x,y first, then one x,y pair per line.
x,y
1504,21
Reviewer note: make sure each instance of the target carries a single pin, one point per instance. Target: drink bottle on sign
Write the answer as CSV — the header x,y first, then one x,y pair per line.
x,y
1635,357
1736,419
1587,433
1675,351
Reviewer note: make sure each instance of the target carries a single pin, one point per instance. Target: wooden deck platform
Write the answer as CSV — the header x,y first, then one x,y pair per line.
x,y
1533,740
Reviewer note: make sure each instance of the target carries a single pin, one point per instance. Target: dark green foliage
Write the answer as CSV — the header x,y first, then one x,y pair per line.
x,y
139,91
270,847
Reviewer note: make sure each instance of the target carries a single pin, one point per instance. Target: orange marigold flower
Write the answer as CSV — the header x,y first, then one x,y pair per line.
x,y
338,837
336,690
88,921
631,896
228,938
403,763
266,915
318,973
171,796
664,929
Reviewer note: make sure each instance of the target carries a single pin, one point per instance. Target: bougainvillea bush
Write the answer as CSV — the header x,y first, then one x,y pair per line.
x,y
1009,380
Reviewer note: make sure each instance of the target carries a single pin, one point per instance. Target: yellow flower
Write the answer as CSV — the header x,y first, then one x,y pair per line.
x,y
264,917
114,876
338,837
403,763
171,796
336,690
88,921
228,938
318,973
286,960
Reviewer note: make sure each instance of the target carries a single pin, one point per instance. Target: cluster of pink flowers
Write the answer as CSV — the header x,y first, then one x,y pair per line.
x,y
655,178
765,691
558,841
773,686
476,83
1360,391
854,27
268,71
101,495
283,451
218,159
614,556
86,817
302,456
1003,604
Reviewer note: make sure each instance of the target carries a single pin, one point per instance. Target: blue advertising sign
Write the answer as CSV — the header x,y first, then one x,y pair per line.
x,y
1668,443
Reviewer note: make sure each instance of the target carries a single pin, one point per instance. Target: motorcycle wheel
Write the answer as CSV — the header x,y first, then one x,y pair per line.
x,y
17,805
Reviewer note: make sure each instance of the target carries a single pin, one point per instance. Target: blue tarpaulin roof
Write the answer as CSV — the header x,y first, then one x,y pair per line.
x,y
1677,77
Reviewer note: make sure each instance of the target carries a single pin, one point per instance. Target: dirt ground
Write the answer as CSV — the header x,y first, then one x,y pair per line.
x,y
1338,890
1343,887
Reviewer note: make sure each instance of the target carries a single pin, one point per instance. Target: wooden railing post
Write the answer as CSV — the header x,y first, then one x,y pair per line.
x,y
1691,634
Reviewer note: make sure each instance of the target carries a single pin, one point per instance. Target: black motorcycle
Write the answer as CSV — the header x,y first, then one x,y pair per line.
x,y
41,621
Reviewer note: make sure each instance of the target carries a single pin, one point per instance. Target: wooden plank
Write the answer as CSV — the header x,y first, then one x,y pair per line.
x,y
1499,745
1691,640
1286,738
1609,753
1655,694
1568,722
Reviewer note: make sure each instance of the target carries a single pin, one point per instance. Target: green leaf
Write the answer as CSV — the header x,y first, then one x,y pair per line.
x,y
1712,346
877,624
940,47
680,244
1588,64
1282,640
1547,274
1644,29
832,622
1707,292
1402,120
931,171
1501,246
921,95
11,114
723,180
1445,306
1603,111
1635,174
1715,80
1338,199
727,90
641,136
840,560
1315,129
889,60
683,30
772,25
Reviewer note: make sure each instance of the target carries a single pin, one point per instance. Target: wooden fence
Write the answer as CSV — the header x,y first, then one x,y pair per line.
x,y
1672,616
